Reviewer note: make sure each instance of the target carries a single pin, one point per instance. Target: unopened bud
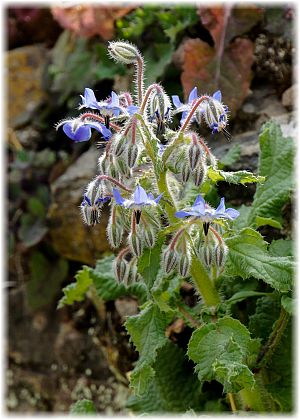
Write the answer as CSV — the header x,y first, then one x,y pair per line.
x,y
132,273
120,269
91,214
195,153
185,172
170,260
132,154
102,164
159,105
136,244
114,234
184,263
149,237
208,255
211,161
124,52
199,173
119,144
93,199
220,254
122,167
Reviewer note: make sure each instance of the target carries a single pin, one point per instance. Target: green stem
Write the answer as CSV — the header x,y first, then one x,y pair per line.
x,y
274,339
252,399
163,187
203,283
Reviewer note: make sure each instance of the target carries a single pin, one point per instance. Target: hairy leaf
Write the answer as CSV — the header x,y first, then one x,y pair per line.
x,y
266,313
262,221
239,177
240,296
248,256
147,331
149,263
276,164
281,248
75,292
173,389
222,351
231,156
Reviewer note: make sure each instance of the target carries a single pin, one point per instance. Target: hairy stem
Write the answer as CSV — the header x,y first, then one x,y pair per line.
x,y
147,95
140,78
191,113
113,181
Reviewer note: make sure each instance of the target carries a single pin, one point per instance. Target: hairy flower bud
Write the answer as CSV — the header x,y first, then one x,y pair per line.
x,y
114,234
122,167
102,164
170,259
185,171
132,154
221,251
124,52
194,152
208,255
93,199
149,236
119,144
132,272
136,244
120,269
184,263
199,173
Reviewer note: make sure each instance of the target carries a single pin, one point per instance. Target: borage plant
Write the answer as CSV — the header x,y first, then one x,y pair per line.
x,y
169,228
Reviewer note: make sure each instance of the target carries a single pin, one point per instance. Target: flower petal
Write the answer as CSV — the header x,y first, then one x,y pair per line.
x,y
221,206
199,201
114,99
176,101
82,133
106,133
217,96
118,198
140,195
181,213
232,213
193,95
158,198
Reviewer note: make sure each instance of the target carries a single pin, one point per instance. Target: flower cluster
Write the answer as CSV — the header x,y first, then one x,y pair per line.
x,y
147,169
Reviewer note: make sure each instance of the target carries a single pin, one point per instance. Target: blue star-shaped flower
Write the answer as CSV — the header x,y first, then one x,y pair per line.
x,y
78,130
139,199
184,108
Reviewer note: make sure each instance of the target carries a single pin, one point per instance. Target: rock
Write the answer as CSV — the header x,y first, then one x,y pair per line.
x,y
288,97
70,237
126,306
25,67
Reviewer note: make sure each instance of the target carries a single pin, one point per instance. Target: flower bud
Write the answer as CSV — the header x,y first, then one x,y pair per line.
x,y
211,161
170,258
159,105
199,173
102,164
149,236
194,153
184,263
122,167
94,197
120,269
185,171
221,251
136,244
119,144
114,234
91,214
132,273
132,154
124,52
208,254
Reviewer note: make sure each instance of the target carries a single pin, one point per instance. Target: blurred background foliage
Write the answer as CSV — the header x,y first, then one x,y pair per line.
x,y
52,55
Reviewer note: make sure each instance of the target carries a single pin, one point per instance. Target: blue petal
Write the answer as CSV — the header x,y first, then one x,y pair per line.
x,y
114,99
101,128
102,200
232,213
176,101
199,201
158,198
193,95
180,214
140,195
132,109
118,198
217,96
82,133
221,206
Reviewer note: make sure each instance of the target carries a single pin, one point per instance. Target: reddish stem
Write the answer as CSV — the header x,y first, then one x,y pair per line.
x,y
176,237
114,181
100,119
147,95
191,113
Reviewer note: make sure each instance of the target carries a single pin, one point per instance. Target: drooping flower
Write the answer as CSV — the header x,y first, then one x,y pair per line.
x,y
185,108
80,130
89,99
201,210
93,200
111,107
216,114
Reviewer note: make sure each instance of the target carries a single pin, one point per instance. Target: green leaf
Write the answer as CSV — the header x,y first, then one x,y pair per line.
x,y
240,296
262,221
238,177
281,248
45,279
173,389
266,313
83,407
147,331
222,351
231,156
75,292
36,208
289,304
248,256
280,371
165,292
157,58
149,263
276,164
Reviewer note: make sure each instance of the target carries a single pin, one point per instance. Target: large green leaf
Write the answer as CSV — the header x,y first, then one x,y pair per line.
x,y
83,407
222,351
75,292
149,263
248,256
147,331
239,177
276,164
173,389
266,313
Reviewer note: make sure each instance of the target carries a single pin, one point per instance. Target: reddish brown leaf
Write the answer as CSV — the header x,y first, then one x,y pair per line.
x,y
241,20
202,65
88,21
